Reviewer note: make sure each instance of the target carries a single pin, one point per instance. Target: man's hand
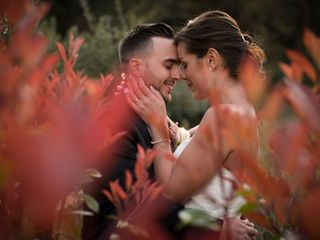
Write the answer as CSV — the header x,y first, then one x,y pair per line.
x,y
238,229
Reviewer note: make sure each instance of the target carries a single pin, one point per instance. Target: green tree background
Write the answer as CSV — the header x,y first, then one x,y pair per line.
x,y
276,25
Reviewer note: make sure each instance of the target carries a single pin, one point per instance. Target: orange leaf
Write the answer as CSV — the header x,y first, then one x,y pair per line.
x,y
151,154
260,219
106,80
108,195
310,214
141,152
297,72
129,180
312,43
62,52
156,192
254,83
118,190
170,157
139,167
138,196
301,99
286,69
272,106
303,63
50,61
76,46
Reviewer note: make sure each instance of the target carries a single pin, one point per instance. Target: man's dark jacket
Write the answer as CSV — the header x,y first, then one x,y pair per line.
x,y
124,153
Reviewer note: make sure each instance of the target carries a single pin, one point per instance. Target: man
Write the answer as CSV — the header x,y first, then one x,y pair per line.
x,y
147,52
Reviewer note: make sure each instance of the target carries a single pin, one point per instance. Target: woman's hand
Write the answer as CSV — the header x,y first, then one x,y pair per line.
x,y
147,102
174,132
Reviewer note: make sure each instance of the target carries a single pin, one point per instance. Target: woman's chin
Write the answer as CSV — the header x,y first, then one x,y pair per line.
x,y
197,96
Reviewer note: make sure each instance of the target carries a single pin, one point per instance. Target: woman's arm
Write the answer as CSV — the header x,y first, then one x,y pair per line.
x,y
193,130
199,162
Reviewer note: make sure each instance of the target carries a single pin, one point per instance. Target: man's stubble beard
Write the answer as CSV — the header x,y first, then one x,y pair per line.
x,y
148,76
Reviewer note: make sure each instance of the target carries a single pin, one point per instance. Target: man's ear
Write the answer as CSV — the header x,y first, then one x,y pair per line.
x,y
213,58
136,67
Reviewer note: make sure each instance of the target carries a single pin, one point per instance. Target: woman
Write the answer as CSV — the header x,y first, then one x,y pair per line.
x,y
213,52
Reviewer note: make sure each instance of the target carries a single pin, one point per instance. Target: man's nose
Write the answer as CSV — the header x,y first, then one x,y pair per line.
x,y
175,73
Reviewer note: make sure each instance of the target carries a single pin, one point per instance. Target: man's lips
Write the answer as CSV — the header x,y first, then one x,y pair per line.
x,y
169,84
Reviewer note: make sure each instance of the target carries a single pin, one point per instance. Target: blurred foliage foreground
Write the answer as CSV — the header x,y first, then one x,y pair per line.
x,y
54,128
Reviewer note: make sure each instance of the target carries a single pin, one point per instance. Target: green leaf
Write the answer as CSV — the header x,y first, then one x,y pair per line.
x,y
244,192
122,224
248,207
112,217
93,173
115,236
91,202
82,213
89,174
197,217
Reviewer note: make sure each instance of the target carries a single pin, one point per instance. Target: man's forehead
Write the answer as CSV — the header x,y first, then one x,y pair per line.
x,y
165,48
162,40
171,60
163,45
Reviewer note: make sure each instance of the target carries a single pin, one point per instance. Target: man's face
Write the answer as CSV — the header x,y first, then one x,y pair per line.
x,y
161,69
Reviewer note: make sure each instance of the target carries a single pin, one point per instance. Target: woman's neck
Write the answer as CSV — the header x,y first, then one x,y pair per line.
x,y
231,91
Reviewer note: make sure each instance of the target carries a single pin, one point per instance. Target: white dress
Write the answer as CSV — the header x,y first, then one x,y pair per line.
x,y
216,195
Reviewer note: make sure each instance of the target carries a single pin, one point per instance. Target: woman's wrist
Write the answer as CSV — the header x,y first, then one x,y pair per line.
x,y
160,136
160,129
160,140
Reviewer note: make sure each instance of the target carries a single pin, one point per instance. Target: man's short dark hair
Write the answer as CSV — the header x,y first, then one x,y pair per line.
x,y
138,40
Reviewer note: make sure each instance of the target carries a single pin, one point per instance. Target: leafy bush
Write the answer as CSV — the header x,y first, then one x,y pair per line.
x,y
54,125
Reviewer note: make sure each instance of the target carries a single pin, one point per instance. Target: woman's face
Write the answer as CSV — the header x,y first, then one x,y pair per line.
x,y
195,71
